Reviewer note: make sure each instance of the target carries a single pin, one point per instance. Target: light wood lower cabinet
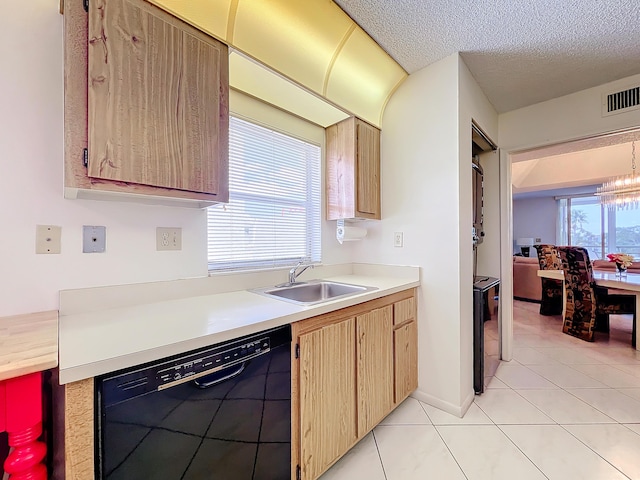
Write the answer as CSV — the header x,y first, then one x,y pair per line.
x,y
375,367
350,368
327,392
405,348
405,345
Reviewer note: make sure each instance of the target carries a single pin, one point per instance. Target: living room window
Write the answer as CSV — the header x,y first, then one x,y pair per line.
x,y
584,222
273,215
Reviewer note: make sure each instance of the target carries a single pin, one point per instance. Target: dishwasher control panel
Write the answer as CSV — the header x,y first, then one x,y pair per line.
x,y
136,381
211,361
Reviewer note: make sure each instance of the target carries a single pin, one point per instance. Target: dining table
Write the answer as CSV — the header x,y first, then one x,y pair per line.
x,y
627,283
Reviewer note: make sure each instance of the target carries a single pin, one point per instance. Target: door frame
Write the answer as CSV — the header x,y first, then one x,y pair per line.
x,y
506,235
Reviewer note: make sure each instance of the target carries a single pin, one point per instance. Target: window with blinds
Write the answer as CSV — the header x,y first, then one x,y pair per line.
x,y
273,215
584,221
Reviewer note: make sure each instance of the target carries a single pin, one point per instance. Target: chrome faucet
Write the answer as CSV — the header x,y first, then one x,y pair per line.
x,y
293,273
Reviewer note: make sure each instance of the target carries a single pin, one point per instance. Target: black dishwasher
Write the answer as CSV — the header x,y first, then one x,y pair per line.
x,y
220,412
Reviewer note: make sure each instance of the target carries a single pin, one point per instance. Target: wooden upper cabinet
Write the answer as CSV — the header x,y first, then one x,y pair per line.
x,y
353,170
154,99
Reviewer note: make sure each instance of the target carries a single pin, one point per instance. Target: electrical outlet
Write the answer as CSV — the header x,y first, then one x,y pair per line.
x,y
398,239
48,239
94,239
168,238
538,240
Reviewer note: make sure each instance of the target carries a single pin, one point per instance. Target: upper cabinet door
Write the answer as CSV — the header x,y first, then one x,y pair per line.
x,y
368,170
158,99
353,170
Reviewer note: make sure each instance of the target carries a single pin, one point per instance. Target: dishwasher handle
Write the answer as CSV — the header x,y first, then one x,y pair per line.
x,y
219,377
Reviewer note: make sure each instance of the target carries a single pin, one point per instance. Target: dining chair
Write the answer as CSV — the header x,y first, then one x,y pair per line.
x,y
548,259
585,302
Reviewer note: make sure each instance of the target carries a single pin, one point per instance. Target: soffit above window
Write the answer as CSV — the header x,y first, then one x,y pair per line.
x,y
315,44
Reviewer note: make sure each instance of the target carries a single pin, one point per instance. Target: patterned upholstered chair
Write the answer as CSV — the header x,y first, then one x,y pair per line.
x,y
585,301
551,301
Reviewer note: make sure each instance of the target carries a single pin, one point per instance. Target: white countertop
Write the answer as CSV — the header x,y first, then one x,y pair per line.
x,y
102,340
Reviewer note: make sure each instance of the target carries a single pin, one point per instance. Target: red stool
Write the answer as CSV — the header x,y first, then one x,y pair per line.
x,y
21,418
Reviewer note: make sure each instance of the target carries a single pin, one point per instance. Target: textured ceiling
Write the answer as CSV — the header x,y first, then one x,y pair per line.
x,y
520,52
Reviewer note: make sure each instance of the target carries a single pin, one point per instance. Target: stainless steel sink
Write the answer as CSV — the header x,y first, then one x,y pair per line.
x,y
317,291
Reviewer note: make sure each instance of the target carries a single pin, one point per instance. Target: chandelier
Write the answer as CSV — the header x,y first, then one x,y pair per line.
x,y
622,191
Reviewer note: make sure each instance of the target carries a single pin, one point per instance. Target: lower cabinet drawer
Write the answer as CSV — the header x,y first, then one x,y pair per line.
x,y
404,310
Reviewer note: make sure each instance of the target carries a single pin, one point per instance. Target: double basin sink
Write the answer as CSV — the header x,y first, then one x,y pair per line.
x,y
313,292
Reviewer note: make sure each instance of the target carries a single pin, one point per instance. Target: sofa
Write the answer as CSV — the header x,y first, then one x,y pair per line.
x,y
527,285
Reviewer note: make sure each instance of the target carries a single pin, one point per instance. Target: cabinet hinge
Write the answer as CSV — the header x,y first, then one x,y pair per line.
x,y
297,350
85,4
298,472
85,158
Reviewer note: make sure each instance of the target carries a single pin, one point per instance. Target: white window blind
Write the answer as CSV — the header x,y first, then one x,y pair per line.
x,y
273,215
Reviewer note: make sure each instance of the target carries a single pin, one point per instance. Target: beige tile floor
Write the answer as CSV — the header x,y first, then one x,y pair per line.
x,y
562,409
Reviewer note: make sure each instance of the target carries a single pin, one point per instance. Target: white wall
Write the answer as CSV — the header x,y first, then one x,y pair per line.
x,y
559,120
31,186
586,167
566,118
426,194
419,178
535,218
473,105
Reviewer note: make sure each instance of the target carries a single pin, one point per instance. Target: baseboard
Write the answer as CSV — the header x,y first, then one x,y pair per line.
x,y
522,299
457,410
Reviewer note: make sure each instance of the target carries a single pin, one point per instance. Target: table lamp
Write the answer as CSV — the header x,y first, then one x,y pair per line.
x,y
525,245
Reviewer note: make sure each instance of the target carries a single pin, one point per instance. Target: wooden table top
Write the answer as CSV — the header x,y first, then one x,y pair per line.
x,y
630,281
28,343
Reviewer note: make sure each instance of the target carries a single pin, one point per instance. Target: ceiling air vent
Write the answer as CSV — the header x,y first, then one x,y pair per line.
x,y
619,102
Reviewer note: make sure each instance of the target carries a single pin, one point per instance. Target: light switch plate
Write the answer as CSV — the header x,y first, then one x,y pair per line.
x,y
94,239
48,239
168,238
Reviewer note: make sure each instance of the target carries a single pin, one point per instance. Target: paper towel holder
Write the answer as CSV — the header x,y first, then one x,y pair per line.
x,y
347,233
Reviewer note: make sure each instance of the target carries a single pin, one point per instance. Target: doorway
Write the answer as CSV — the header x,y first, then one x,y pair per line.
x,y
575,167
486,257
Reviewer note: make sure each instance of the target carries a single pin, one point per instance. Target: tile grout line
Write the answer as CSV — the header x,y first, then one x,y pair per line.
x,y
435,427
596,453
375,441
520,450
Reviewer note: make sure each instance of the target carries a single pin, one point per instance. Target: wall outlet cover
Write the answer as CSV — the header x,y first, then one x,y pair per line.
x,y
168,238
398,239
94,239
48,239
